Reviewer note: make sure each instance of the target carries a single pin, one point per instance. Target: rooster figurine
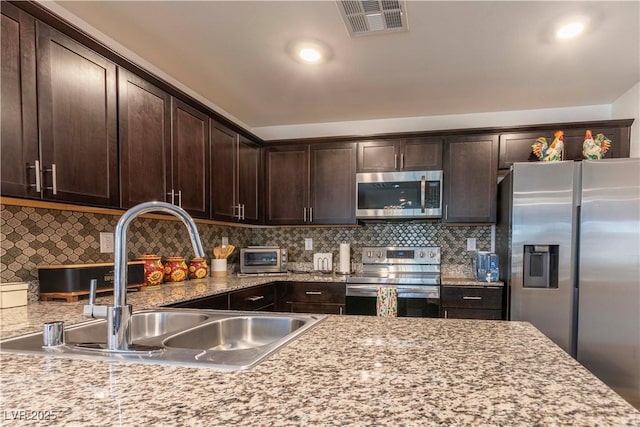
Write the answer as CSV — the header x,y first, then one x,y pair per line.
x,y
595,149
549,153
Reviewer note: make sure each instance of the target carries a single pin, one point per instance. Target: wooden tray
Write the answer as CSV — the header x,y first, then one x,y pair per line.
x,y
73,296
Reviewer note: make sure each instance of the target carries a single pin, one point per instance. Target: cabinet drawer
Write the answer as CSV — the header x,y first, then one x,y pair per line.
x,y
303,307
311,292
214,302
466,313
471,297
255,298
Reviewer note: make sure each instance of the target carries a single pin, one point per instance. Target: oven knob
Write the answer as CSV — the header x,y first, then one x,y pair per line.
x,y
421,254
369,254
379,254
432,254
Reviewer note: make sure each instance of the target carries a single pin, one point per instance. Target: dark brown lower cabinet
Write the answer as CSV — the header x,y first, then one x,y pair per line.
x,y
472,302
213,302
255,298
311,297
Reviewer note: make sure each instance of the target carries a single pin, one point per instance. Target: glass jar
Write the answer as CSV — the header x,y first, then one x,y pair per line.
x,y
153,269
198,268
175,269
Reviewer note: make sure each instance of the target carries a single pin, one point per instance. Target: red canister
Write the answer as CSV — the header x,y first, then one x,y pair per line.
x,y
175,269
153,269
198,268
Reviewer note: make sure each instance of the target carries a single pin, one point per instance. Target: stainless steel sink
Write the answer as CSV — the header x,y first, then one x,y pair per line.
x,y
236,333
226,340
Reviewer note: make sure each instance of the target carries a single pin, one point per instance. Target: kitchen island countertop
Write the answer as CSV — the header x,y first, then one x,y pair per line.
x,y
348,370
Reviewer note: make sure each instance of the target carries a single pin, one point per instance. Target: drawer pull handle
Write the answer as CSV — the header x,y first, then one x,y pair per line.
x,y
474,298
256,298
313,293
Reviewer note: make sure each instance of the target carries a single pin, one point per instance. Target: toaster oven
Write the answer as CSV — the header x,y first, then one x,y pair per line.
x,y
263,259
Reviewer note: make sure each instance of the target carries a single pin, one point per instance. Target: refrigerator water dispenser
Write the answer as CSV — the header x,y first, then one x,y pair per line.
x,y
540,266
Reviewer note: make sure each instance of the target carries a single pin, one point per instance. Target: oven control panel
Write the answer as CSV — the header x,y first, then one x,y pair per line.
x,y
401,255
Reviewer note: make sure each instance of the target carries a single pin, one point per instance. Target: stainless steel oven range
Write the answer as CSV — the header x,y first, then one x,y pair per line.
x,y
413,271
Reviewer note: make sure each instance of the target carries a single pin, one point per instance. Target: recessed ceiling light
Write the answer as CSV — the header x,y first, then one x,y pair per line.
x,y
309,51
570,30
572,27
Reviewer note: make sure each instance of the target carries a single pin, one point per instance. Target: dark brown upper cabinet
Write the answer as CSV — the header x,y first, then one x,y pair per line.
x,y
470,179
310,184
19,135
517,146
333,183
190,150
400,155
77,117
144,113
235,175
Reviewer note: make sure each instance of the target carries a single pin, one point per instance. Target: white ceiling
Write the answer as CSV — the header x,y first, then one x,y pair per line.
x,y
456,58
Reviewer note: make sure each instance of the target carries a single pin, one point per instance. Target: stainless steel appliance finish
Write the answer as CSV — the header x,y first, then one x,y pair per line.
x,y
389,195
263,259
568,236
413,271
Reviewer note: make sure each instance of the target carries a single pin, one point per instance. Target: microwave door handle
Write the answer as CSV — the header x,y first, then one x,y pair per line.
x,y
423,190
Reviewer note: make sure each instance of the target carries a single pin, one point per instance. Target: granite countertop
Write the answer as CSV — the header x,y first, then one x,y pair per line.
x,y
347,370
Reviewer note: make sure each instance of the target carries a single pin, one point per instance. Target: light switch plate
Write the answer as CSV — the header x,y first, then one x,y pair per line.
x,y
225,241
308,244
471,243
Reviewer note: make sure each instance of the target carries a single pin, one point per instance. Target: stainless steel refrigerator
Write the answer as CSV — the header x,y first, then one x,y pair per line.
x,y
568,236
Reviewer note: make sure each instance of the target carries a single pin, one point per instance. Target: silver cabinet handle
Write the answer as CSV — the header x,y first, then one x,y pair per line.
x,y
36,167
54,179
402,161
242,212
446,314
472,298
423,194
310,214
93,287
341,310
313,292
173,196
446,212
304,214
180,198
233,211
395,161
255,298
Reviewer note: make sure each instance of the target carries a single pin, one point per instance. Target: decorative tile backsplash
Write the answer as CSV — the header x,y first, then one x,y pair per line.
x,y
33,236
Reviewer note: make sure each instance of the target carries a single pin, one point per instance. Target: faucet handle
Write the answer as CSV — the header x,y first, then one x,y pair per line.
x,y
91,309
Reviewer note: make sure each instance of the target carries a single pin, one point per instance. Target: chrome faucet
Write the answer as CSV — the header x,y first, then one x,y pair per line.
x,y
119,314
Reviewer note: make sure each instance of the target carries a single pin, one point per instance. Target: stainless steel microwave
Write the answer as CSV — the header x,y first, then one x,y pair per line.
x,y
263,259
395,195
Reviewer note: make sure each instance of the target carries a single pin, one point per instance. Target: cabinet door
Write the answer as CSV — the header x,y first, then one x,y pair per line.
x,y
574,138
470,179
77,117
421,154
378,156
333,173
224,143
144,114
19,134
319,308
249,180
467,313
287,184
316,292
472,297
190,159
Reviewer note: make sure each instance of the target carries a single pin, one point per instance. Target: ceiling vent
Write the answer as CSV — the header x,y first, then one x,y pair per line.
x,y
367,17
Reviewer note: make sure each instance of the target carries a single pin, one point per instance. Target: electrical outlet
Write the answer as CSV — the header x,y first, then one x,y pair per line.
x,y
471,243
225,241
106,243
308,244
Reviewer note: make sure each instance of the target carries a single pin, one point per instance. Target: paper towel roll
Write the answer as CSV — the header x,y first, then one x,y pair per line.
x,y
345,258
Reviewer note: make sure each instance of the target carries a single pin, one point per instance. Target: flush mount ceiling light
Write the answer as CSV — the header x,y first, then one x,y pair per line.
x,y
309,51
571,28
